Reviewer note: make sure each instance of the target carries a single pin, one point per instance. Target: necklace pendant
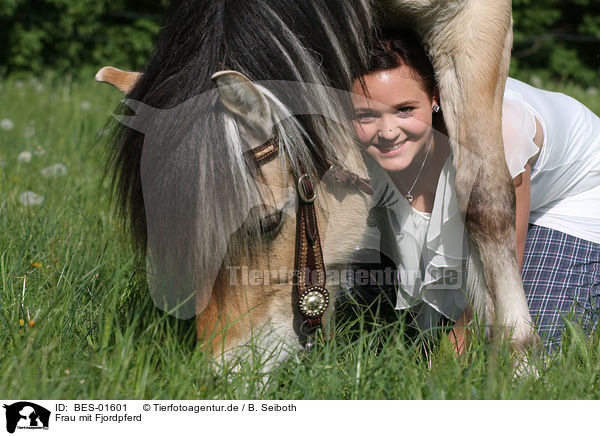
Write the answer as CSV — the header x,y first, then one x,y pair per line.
x,y
409,198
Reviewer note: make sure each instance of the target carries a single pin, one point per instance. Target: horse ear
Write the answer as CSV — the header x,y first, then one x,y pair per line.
x,y
124,81
242,97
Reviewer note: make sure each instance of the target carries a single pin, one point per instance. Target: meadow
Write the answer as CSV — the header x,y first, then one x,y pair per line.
x,y
77,322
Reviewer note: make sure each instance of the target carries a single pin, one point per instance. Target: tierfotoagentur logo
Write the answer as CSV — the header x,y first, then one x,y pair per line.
x,y
26,415
244,276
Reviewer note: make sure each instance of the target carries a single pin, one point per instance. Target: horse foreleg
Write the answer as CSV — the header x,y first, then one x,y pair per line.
x,y
488,197
471,57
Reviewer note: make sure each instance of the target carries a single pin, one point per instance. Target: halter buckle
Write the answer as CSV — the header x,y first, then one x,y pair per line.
x,y
302,189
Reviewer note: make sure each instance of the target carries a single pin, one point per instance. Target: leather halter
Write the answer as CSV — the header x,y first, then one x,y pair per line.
x,y
309,292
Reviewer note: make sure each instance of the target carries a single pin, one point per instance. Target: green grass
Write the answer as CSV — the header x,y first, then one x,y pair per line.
x,y
66,266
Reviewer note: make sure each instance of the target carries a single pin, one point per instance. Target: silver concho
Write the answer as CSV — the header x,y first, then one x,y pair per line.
x,y
313,302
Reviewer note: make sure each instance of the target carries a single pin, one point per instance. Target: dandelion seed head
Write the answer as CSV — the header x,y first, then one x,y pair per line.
x,y
29,132
29,198
24,157
7,124
39,151
85,105
55,170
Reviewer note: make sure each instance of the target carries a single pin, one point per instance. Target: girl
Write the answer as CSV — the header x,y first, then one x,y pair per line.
x,y
552,148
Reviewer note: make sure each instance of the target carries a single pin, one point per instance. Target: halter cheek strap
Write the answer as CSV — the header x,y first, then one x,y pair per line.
x,y
309,292
309,285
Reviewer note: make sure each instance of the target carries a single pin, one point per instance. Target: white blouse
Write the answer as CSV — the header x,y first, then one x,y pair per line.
x,y
565,180
430,250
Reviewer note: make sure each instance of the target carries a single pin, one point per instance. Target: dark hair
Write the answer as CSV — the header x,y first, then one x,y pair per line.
x,y
393,50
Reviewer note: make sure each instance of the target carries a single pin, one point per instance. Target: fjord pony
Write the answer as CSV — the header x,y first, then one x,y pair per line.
x,y
321,42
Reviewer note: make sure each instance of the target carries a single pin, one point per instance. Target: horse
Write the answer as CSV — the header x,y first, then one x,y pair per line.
x,y
204,197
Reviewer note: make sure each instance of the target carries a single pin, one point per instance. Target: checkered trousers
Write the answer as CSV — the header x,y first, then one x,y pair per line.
x,y
561,275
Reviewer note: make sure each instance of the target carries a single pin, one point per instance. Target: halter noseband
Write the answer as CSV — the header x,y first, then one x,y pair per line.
x,y
309,292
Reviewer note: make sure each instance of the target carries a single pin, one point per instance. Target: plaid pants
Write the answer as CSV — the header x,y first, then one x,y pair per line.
x,y
561,275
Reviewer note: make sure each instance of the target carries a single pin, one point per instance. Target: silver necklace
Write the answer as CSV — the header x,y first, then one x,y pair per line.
x,y
409,197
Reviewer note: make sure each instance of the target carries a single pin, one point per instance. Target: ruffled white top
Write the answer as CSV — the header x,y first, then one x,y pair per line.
x,y
430,250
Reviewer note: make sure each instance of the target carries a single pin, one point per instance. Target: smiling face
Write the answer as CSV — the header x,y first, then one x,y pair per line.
x,y
393,120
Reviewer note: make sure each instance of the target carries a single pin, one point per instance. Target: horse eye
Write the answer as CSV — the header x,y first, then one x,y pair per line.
x,y
271,224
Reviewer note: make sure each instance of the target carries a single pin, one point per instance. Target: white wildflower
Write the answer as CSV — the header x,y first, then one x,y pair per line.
x,y
54,170
7,124
29,198
85,105
24,157
29,132
593,91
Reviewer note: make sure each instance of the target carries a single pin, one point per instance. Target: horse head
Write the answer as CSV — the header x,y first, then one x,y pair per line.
x,y
246,282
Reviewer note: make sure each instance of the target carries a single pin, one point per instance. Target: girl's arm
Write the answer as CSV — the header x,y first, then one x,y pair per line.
x,y
522,192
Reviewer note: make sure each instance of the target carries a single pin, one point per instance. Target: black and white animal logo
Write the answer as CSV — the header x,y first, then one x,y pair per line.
x,y
26,415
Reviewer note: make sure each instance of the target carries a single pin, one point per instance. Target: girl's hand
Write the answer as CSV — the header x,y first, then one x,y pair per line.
x,y
459,336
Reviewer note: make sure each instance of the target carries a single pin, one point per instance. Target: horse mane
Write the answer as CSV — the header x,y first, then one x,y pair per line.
x,y
319,41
